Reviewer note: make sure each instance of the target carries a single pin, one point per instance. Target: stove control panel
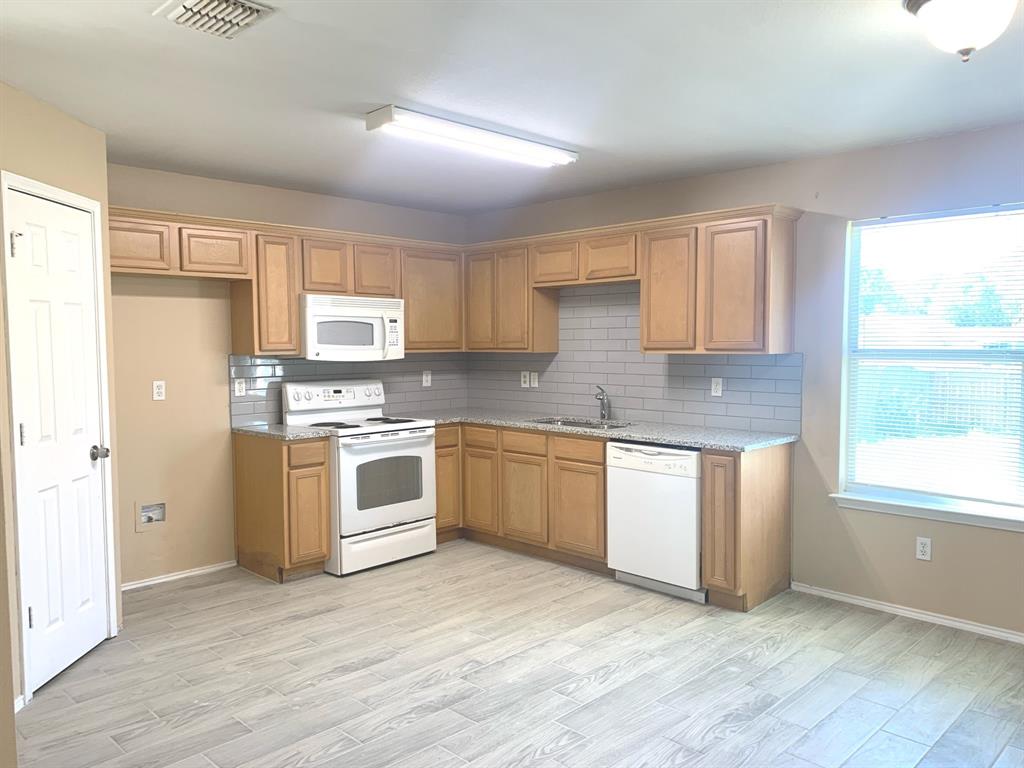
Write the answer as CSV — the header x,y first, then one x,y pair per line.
x,y
320,395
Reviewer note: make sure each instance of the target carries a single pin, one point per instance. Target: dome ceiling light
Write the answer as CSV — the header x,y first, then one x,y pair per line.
x,y
962,26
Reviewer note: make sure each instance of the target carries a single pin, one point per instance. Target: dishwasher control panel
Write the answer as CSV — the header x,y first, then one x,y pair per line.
x,y
680,462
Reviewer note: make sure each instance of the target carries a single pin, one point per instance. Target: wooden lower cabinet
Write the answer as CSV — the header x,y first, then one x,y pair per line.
x,y
480,489
448,469
745,525
524,497
282,506
577,493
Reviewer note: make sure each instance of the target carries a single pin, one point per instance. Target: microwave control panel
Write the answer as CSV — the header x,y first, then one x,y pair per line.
x,y
394,338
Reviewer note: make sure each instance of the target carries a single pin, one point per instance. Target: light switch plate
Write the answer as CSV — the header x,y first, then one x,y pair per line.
x,y
716,387
239,387
524,378
159,390
534,379
426,378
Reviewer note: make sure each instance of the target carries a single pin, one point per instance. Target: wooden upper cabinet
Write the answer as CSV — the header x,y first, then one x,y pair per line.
x,y
432,282
308,518
555,262
480,309
277,293
326,266
217,251
602,258
735,266
524,497
668,289
480,489
375,270
577,508
512,299
718,521
142,245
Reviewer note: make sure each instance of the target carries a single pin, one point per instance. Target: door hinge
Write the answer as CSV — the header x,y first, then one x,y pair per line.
x,y
30,617
14,242
21,432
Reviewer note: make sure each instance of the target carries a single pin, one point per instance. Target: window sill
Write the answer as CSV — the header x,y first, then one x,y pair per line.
x,y
985,515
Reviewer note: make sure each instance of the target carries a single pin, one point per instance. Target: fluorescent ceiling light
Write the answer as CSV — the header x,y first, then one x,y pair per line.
x,y
436,130
962,26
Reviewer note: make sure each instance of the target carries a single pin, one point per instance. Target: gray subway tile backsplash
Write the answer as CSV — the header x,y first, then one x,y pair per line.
x,y
599,345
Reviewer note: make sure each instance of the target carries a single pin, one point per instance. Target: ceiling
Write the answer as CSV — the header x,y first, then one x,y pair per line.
x,y
644,91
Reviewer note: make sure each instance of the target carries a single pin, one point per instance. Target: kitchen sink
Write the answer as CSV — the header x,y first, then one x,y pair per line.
x,y
565,421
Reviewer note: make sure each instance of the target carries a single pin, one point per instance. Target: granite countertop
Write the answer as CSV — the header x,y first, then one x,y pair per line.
x,y
643,432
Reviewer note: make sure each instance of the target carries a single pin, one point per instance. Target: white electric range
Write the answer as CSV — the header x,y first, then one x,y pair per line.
x,y
383,493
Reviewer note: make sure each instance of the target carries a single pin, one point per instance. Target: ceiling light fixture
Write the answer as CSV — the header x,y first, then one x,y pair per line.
x,y
962,26
437,130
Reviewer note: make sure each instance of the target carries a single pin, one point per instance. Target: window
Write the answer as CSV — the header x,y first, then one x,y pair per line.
x,y
934,384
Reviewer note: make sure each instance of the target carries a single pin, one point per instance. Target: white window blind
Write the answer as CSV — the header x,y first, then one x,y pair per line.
x,y
935,363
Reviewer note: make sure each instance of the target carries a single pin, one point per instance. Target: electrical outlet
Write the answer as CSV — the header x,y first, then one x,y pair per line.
x,y
239,387
716,387
924,548
159,390
534,379
524,378
426,378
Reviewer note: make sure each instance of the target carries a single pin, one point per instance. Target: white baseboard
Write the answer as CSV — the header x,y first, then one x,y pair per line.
x,y
913,613
178,575
19,704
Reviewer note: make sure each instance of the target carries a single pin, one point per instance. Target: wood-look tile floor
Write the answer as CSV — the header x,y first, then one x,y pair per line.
x,y
477,656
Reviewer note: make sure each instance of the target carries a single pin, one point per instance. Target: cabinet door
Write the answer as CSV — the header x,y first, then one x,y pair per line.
x,y
308,519
668,290
326,266
220,251
512,299
277,292
555,262
735,266
375,270
605,257
524,497
577,508
480,312
433,299
718,521
480,489
449,487
140,245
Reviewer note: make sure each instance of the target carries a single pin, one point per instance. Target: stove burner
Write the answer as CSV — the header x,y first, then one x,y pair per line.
x,y
390,420
335,425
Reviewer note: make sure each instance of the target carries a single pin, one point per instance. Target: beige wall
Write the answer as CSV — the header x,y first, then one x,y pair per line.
x,y
163,191
44,144
955,171
177,451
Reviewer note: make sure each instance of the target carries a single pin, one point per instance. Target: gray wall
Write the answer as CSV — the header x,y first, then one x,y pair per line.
x,y
600,344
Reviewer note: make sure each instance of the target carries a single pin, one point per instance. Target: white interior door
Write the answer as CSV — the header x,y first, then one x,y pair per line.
x,y
57,360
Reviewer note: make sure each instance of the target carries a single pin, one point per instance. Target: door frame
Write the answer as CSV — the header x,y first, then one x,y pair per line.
x,y
12,183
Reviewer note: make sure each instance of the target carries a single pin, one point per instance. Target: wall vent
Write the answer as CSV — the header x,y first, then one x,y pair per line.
x,y
223,18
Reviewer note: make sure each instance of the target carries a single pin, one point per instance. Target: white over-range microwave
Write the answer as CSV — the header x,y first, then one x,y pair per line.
x,y
352,328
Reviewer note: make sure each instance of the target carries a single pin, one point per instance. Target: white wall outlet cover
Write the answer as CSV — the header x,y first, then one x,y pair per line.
x,y
159,390
426,378
716,387
923,551
524,378
534,379
239,387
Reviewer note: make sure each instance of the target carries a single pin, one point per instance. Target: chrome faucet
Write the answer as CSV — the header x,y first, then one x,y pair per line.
x,y
605,401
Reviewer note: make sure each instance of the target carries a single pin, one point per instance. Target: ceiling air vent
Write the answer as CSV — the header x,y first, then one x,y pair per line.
x,y
223,18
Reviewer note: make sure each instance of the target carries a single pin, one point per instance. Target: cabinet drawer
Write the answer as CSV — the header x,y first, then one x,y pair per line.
x,y
591,451
523,442
481,437
307,454
446,437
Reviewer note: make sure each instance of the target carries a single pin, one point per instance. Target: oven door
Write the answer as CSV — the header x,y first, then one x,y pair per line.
x,y
336,336
385,479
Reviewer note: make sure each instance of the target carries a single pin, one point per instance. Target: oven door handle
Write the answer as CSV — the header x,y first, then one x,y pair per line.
x,y
379,441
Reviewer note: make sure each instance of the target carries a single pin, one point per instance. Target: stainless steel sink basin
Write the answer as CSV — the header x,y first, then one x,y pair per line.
x,y
565,421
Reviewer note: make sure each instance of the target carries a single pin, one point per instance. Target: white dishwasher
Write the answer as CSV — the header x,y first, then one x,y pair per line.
x,y
654,517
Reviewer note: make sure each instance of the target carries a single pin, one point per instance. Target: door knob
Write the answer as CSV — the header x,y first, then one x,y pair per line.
x,y
99,452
